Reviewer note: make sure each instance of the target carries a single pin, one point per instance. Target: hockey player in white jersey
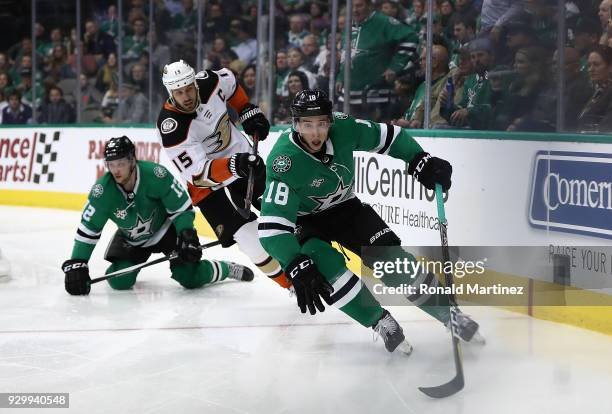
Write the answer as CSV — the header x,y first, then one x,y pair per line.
x,y
213,156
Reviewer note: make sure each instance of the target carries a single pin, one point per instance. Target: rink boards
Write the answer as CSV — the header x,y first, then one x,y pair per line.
x,y
508,190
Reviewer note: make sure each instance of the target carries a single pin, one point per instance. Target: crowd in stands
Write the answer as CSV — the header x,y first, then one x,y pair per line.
x,y
494,63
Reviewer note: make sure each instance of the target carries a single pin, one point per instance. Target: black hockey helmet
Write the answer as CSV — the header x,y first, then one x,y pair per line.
x,y
119,147
311,102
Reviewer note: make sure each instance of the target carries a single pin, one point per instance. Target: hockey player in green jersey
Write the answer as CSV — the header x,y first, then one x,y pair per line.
x,y
309,202
153,213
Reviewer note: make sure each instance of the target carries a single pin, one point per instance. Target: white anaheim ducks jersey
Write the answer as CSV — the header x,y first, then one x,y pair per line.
x,y
200,143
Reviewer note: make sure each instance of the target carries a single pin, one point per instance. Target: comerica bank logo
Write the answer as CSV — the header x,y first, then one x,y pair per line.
x,y
572,192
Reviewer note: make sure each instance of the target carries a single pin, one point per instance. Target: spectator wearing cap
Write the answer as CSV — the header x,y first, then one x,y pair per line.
x,y
16,112
297,30
383,49
246,48
55,110
519,34
475,110
133,106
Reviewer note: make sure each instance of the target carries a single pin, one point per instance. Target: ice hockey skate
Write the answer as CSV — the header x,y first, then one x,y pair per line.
x,y
391,332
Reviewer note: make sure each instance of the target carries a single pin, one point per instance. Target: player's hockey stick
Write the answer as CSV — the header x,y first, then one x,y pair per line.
x,y
248,199
171,256
456,384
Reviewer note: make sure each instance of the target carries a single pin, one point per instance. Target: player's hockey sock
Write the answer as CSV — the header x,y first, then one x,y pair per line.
x,y
122,282
349,295
437,305
195,275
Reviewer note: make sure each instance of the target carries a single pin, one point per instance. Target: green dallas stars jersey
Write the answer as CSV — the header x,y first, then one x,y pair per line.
x,y
158,200
300,184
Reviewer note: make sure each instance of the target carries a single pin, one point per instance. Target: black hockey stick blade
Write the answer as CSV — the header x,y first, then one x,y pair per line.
x,y
445,390
248,199
171,256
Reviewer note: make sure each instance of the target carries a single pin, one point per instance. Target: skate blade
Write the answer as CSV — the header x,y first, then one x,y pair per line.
x,y
478,339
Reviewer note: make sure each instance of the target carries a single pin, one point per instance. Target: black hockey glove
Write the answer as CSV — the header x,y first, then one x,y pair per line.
x,y
77,280
430,171
239,163
254,121
188,246
309,284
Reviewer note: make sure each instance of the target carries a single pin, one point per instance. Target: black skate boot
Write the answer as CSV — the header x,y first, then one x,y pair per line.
x,y
467,328
240,272
391,332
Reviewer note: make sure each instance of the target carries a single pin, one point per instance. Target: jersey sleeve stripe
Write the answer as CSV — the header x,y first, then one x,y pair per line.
x,y
275,226
86,239
347,292
271,233
239,98
383,135
185,207
88,232
275,219
392,133
386,141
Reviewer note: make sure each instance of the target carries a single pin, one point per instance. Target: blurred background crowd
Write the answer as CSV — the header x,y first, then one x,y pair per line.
x,y
502,65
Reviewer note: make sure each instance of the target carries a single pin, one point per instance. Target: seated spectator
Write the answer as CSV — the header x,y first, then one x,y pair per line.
x,y
596,116
5,65
586,36
55,110
464,11
110,102
297,30
282,70
474,110
295,61
139,77
319,19
16,112
246,48
447,13
605,19
136,43
90,96
57,67
248,79
96,42
532,77
187,19
414,117
390,8
402,89
45,50
133,106
5,84
310,48
106,73
296,82
213,56
463,34
458,75
216,22
110,22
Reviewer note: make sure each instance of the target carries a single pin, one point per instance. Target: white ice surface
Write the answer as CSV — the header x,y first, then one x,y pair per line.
x,y
245,348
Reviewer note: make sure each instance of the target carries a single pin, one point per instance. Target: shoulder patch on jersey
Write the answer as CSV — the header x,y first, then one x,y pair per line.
x,y
281,164
393,20
168,125
340,115
207,85
173,126
97,190
160,172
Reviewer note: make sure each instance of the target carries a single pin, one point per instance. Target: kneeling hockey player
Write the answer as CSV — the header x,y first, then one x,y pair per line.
x,y
153,213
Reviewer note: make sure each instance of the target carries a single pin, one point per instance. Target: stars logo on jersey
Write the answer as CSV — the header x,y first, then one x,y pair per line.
x,y
341,193
281,164
168,125
97,190
142,228
160,172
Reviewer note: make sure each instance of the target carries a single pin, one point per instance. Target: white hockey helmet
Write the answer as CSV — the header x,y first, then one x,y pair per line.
x,y
177,75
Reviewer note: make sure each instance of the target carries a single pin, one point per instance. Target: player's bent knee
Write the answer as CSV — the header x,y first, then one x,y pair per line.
x,y
123,282
188,275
